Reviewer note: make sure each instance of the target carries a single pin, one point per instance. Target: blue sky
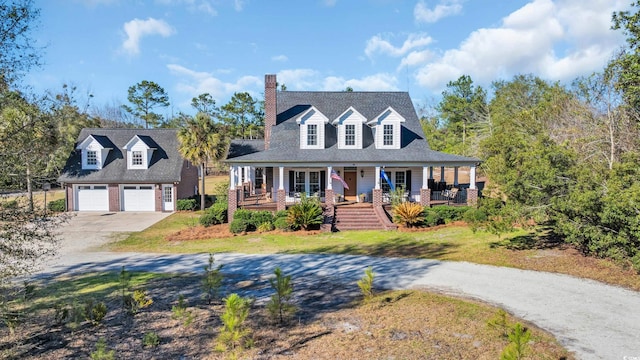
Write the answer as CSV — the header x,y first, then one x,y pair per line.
x,y
191,47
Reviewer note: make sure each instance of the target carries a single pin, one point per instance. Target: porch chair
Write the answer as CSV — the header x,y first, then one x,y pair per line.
x,y
451,195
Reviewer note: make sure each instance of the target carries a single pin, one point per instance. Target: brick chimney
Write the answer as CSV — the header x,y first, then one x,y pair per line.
x,y
270,83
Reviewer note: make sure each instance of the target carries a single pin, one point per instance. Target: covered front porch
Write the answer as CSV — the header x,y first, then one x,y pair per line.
x,y
277,187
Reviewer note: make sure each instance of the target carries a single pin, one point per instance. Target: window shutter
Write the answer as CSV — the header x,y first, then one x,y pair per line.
x,y
323,180
291,180
407,181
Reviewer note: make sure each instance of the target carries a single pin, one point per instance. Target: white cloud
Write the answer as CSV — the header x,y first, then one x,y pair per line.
x,y
329,3
554,39
280,58
195,6
416,58
377,82
379,45
136,29
195,83
299,79
238,5
445,8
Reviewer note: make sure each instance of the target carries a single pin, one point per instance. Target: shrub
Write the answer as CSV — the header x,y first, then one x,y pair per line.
x,y
408,214
219,211
306,214
56,205
101,352
397,196
212,280
280,214
265,227
518,343
243,215
635,262
180,312
280,307
260,217
432,218
281,223
150,339
207,219
450,213
233,332
238,226
186,204
366,283
94,312
133,303
475,218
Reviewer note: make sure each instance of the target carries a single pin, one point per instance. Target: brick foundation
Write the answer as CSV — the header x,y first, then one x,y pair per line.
x,y
232,203
472,197
377,197
282,200
425,197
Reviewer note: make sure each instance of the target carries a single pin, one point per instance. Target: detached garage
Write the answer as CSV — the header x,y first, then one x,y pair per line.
x,y
127,170
92,198
138,198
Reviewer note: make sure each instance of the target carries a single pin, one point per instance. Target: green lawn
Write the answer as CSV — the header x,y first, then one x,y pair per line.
x,y
519,249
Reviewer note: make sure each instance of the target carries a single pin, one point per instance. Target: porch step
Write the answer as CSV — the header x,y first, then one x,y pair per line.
x,y
357,218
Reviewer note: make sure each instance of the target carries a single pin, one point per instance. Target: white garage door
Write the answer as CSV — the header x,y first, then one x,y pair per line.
x,y
138,198
92,198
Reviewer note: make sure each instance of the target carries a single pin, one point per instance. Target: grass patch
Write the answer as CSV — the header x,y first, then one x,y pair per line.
x,y
210,183
520,249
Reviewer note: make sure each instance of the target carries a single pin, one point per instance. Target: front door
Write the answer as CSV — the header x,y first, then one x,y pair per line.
x,y
167,198
351,179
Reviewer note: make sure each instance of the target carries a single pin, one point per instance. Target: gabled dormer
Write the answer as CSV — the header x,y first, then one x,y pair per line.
x,y
349,125
386,129
95,149
312,124
139,152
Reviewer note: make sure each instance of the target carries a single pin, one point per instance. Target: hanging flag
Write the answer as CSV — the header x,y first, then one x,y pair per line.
x,y
386,178
334,175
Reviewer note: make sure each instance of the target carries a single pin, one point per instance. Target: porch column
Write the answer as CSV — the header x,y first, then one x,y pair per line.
x,y
377,186
472,192
329,185
232,177
472,177
455,176
282,197
425,192
442,174
425,180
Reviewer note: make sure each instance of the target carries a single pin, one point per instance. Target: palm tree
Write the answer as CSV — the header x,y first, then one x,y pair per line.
x,y
200,142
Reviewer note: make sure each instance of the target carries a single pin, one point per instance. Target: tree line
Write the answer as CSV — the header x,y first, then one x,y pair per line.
x,y
566,157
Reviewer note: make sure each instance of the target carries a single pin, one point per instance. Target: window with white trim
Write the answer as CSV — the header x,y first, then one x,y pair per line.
x,y
137,158
312,134
92,157
401,179
350,134
314,182
387,135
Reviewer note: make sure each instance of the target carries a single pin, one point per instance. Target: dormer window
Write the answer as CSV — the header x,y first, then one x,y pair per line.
x,y
386,129
140,151
94,151
350,135
349,125
312,124
136,158
312,135
387,135
92,157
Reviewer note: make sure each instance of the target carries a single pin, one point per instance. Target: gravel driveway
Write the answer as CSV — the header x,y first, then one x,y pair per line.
x,y
594,320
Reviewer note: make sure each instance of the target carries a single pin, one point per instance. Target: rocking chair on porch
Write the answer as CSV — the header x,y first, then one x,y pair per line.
x,y
450,195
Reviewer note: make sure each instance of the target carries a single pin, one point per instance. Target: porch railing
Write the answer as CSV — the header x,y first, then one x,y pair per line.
x,y
445,196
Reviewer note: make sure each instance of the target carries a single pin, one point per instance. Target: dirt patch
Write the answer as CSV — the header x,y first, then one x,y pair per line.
x,y
331,323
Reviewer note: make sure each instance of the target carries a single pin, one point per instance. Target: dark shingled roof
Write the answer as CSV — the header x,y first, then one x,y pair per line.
x,y
165,166
285,137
